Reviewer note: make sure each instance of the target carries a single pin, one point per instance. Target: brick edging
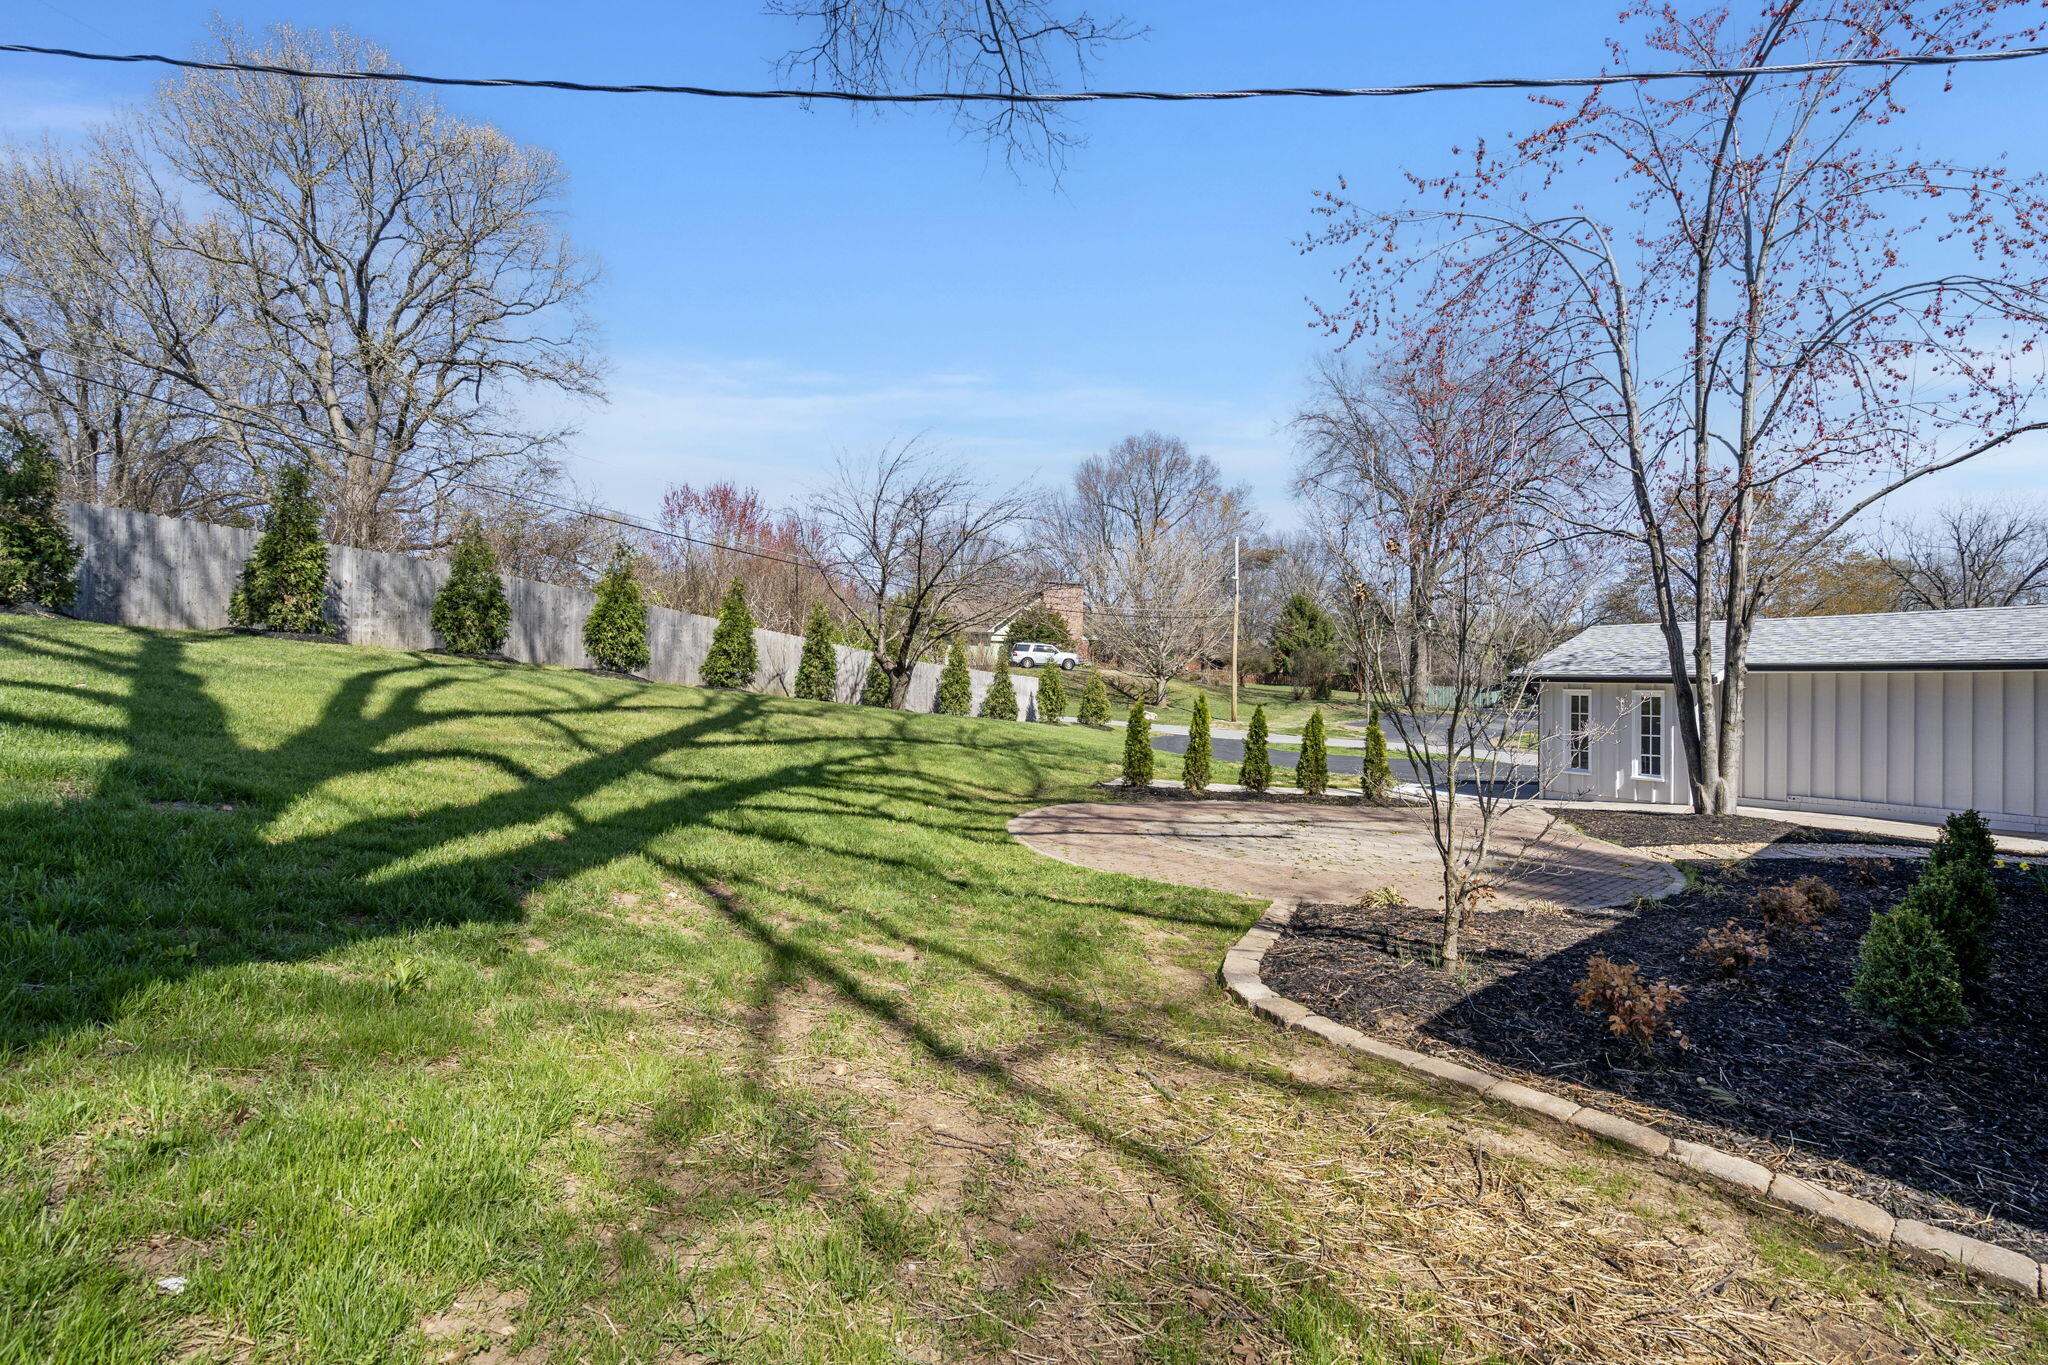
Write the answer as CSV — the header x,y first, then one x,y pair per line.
x,y
1862,1219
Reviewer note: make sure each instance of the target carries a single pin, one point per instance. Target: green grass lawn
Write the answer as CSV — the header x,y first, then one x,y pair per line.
x,y
410,1009
1284,714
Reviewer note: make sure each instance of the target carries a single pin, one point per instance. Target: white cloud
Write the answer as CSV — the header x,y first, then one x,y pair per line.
x,y
779,428
32,109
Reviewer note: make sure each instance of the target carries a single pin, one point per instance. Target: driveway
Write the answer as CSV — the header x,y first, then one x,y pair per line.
x,y
1336,853
1522,775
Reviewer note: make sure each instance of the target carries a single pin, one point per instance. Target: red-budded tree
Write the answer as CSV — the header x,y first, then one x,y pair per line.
x,y
1751,303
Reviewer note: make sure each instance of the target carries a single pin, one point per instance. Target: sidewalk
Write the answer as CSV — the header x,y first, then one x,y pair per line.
x,y
1394,749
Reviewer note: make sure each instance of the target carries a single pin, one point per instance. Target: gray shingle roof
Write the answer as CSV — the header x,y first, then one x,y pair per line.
x,y
1986,637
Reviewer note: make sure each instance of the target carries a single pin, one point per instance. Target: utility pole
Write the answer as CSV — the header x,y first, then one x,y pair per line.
x,y
1236,598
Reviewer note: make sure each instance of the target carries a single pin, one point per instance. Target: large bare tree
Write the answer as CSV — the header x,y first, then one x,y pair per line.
x,y
918,552
336,272
1969,553
1771,304
1148,528
124,430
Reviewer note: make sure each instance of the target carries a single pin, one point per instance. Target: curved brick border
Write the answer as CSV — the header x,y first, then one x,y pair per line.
x,y
1908,1237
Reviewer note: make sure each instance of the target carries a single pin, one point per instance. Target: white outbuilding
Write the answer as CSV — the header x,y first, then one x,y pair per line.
x,y
1899,715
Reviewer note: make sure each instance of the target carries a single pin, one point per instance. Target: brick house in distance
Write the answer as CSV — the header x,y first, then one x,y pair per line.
x,y
1067,601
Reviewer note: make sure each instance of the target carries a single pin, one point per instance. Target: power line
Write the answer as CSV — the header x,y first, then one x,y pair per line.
x,y
1902,60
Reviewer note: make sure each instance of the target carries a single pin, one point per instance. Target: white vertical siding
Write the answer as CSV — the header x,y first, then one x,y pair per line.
x,y
1907,745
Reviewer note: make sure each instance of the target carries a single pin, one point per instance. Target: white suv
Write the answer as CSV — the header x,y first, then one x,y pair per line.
x,y
1033,654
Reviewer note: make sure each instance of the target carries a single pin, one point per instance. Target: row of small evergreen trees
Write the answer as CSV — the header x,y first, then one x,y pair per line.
x,y
1255,769
283,588
1926,960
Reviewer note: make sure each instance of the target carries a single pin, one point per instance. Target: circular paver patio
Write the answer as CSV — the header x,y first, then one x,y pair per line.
x,y
1336,853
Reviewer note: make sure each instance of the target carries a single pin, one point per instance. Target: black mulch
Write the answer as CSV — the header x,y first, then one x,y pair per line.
x,y
1779,1067
1660,829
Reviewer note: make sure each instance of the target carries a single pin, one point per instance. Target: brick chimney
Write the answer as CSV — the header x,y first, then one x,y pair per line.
x,y
1068,601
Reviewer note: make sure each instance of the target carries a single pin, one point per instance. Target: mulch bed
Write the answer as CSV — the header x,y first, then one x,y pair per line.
x,y
1662,829
1779,1069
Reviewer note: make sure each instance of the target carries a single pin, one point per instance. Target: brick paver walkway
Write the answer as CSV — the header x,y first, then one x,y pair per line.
x,y
1336,853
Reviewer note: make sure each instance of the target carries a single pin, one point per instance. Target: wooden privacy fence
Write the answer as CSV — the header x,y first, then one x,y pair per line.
x,y
138,569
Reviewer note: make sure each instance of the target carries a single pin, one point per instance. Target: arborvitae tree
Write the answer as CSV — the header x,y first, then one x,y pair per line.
x,y
284,584
1138,748
1052,695
732,660
615,636
1094,702
1906,976
1313,771
1256,772
470,612
1001,701
817,669
1378,777
1961,901
956,684
874,688
1194,764
37,554
1965,838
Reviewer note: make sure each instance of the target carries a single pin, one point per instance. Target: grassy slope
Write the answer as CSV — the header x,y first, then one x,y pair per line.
x,y
407,1006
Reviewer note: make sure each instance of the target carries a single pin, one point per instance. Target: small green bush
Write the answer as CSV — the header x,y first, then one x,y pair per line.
x,y
1052,695
956,684
732,659
1377,781
1965,838
1906,976
1312,773
1138,747
284,584
1961,901
1194,764
1256,772
1001,701
615,635
1094,701
37,554
470,612
817,668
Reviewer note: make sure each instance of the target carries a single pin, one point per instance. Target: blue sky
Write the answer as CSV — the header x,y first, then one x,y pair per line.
x,y
781,285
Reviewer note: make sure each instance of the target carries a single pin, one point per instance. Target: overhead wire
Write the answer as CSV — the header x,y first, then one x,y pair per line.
x,y
1696,73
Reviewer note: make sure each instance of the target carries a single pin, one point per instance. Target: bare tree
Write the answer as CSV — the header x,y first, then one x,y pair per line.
x,y
1148,528
124,431
918,552
1001,47
1969,554
721,533
1395,447
362,281
1428,481
1767,313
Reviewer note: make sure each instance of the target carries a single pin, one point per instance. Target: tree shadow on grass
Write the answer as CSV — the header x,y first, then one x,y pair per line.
x,y
145,881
